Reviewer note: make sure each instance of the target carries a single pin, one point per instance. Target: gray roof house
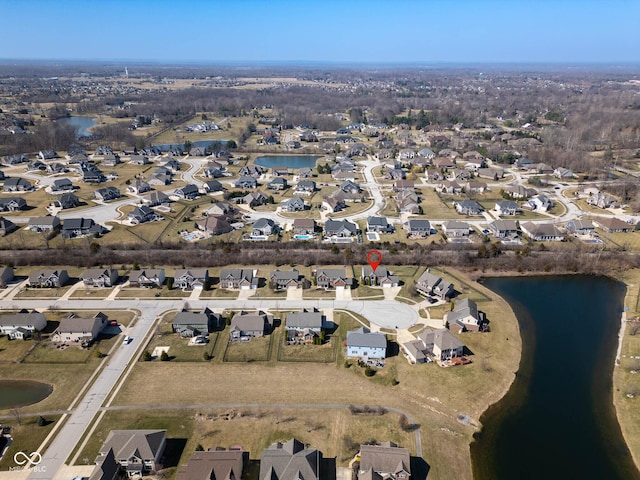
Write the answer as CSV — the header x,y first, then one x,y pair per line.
x,y
12,204
430,284
192,324
366,345
305,187
580,227
418,228
17,184
155,198
61,185
31,321
290,461
264,227
66,201
6,275
277,183
455,229
241,278
439,344
386,460
304,325
100,277
142,214
80,329
48,278
465,317
107,193
188,192
293,204
379,224
7,226
304,226
246,181
44,224
75,227
218,464
340,228
187,279
214,225
150,277
137,451
503,228
381,277
506,207
279,279
541,232
468,207
244,324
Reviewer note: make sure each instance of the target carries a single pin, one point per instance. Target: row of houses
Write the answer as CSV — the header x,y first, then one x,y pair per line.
x,y
134,453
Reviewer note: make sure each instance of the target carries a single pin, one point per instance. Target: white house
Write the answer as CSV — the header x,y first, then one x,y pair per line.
x,y
366,345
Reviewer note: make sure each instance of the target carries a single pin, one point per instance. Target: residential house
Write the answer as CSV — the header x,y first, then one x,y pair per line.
x,y
432,285
17,184
305,172
408,202
7,226
427,153
264,227
55,168
381,277
142,214
304,325
277,183
304,226
305,187
468,207
401,185
490,173
111,160
136,451
333,278
601,200
418,228
48,278
244,324
138,187
519,192
153,199
349,186
61,185
106,194
100,277
44,224
212,186
506,207
221,208
290,461
138,159
385,461
217,464
160,179
465,317
15,325
238,278
214,171
188,279
251,171
147,278
92,175
10,160
279,171
541,232
214,225
47,154
366,345
580,227
504,228
80,329
66,201
538,203
444,163
462,175
76,227
340,228
455,229
193,324
254,199
397,174
450,187
561,172
6,276
293,204
476,187
335,202
439,344
188,192
279,279
12,204
613,225
379,224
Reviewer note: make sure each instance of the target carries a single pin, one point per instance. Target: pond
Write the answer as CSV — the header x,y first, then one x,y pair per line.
x,y
18,393
558,419
81,124
289,161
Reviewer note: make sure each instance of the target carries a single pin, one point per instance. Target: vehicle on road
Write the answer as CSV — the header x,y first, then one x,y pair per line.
x,y
127,340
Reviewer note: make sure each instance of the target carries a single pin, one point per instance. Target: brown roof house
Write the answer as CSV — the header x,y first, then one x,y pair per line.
x,y
290,461
430,284
386,461
612,225
137,451
100,277
188,279
48,278
333,278
465,317
241,278
439,344
214,225
150,277
217,464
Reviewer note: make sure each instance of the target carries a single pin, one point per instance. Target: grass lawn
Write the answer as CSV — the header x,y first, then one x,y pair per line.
x,y
624,381
255,350
152,292
92,292
435,207
45,292
27,436
628,241
13,350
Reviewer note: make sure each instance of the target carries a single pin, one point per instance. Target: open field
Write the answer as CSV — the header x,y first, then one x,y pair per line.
x,y
626,375
27,436
434,396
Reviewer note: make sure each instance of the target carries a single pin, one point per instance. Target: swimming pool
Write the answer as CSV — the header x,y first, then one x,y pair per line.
x,y
303,237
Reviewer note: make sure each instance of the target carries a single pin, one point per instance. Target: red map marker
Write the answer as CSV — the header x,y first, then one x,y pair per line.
x,y
374,257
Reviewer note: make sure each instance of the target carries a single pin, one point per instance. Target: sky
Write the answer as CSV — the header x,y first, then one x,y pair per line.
x,y
347,31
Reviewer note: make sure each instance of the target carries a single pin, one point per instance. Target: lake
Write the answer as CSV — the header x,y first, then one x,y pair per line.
x,y
289,161
81,124
18,393
558,419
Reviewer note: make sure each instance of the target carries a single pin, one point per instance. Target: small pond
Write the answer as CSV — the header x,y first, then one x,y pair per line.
x,y
18,393
81,124
289,161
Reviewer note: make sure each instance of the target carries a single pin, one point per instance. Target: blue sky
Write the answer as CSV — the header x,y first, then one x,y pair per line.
x,y
392,31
